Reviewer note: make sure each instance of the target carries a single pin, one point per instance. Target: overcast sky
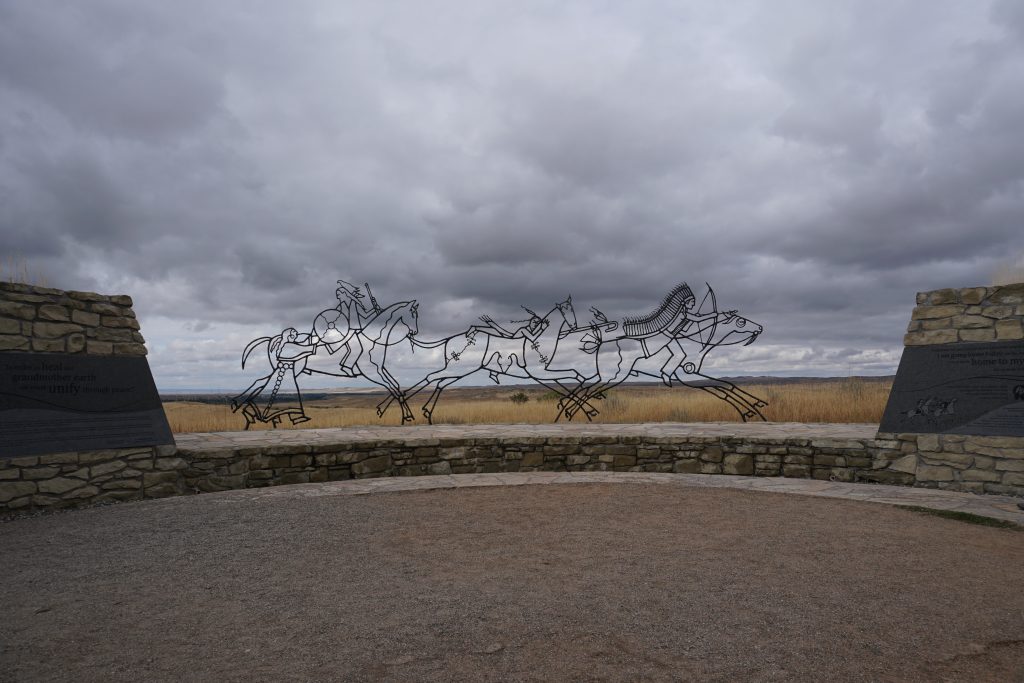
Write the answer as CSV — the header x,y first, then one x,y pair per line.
x,y
224,163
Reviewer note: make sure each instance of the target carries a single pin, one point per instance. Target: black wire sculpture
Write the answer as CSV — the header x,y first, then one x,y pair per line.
x,y
579,363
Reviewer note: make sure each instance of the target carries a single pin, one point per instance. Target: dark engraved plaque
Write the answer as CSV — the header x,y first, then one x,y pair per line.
x,y
959,389
51,403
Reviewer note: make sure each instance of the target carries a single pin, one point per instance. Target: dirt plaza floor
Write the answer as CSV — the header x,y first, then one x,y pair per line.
x,y
590,581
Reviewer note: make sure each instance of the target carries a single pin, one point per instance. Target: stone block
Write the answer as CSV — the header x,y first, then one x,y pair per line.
x,y
738,463
54,313
1009,330
9,326
107,468
81,493
1007,294
972,295
127,484
1013,479
936,324
380,463
40,472
11,309
941,311
162,490
980,475
131,349
16,489
934,473
104,334
928,442
533,459
9,473
60,485
799,471
943,296
1006,465
99,348
85,318
442,467
712,454
977,335
624,461
157,478
688,466
49,345
170,464
577,459
933,337
971,322
710,468
54,330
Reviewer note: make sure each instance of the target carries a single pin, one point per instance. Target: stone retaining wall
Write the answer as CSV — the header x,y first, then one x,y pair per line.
x,y
203,463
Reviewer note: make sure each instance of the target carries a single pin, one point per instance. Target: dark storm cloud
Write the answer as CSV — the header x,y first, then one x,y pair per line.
x,y
226,163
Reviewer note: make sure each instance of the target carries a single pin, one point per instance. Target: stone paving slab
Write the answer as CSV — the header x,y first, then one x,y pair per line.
x,y
754,430
993,506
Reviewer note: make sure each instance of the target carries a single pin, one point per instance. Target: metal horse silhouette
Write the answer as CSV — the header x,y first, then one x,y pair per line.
x,y
580,363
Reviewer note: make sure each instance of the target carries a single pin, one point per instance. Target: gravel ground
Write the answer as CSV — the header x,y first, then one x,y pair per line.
x,y
578,582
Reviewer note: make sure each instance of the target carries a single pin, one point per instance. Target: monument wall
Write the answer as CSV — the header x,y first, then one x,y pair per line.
x,y
968,433
50,323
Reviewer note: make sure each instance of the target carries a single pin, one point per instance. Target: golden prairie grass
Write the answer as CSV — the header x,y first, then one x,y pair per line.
x,y
832,401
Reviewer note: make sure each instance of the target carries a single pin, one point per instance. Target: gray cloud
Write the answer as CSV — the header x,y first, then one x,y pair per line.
x,y
226,163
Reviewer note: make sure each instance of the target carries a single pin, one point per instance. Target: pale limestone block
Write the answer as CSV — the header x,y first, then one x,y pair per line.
x,y
928,442
1007,294
60,485
76,342
54,330
933,337
16,489
933,473
971,322
928,312
973,295
48,345
1013,479
980,475
1009,330
907,464
53,312
85,318
977,335
943,296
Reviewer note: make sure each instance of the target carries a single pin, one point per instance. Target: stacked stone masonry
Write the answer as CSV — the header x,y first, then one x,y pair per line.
x,y
43,320
203,463
974,314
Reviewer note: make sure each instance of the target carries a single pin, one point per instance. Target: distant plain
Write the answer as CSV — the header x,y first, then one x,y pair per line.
x,y
854,399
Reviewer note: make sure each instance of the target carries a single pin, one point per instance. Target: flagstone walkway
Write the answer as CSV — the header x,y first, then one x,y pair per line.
x,y
993,506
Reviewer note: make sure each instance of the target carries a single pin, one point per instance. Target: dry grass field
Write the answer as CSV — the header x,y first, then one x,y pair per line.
x,y
846,400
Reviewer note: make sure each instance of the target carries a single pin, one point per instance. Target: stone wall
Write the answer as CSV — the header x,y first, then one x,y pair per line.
x,y
981,464
203,463
44,320
974,314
